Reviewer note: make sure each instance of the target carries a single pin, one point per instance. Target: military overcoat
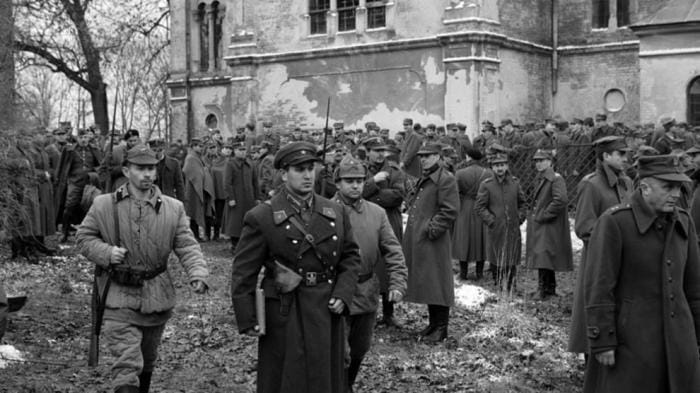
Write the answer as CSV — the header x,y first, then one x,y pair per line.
x,y
548,232
303,348
598,191
426,240
642,299
241,185
501,204
469,235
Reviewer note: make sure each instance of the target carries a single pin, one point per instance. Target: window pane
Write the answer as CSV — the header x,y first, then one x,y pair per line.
x,y
601,14
318,22
376,17
318,5
623,13
346,14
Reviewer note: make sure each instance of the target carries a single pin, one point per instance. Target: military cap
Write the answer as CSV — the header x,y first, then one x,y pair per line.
x,y
238,145
154,143
440,130
295,153
228,145
487,123
542,154
645,150
608,144
59,131
350,168
393,147
451,126
141,155
430,126
429,148
505,122
576,120
667,120
370,125
601,116
408,121
266,144
338,125
474,154
255,148
462,126
417,127
402,133
665,167
267,124
375,143
497,148
83,131
448,151
498,158
195,141
384,131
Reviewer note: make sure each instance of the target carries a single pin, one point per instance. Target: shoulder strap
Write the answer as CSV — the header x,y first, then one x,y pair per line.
x,y
307,236
117,234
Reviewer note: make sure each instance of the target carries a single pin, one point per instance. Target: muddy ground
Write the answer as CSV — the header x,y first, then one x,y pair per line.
x,y
509,343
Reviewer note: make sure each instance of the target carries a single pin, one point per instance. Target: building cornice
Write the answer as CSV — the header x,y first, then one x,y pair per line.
x,y
666,28
598,48
388,46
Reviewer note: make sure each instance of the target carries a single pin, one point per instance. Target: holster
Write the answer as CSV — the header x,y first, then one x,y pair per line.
x,y
286,279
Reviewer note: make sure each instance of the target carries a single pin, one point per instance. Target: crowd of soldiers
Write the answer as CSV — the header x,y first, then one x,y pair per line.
x,y
316,224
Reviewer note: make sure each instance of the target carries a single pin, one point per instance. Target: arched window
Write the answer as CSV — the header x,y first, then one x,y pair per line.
x,y
203,37
211,121
694,102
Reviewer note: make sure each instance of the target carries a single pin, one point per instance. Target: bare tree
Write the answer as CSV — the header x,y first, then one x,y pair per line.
x,y
78,37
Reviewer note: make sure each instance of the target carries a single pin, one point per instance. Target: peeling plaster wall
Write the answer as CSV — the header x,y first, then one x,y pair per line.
x,y
178,125
525,87
383,88
664,93
585,78
212,100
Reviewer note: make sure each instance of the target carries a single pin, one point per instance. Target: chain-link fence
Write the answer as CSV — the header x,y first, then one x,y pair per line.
x,y
573,162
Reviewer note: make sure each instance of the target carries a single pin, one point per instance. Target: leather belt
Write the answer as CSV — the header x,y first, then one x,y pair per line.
x,y
311,279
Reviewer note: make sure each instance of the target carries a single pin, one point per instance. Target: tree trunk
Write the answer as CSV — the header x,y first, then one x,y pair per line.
x,y
100,112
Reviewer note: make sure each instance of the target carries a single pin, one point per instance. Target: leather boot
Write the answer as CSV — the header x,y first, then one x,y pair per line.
x,y
463,269
216,234
65,226
353,370
145,381
479,270
127,389
441,319
431,323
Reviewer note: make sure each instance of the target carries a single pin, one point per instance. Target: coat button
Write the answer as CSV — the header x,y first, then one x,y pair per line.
x,y
330,281
670,279
668,262
301,270
335,237
294,242
335,253
672,297
287,227
332,223
673,314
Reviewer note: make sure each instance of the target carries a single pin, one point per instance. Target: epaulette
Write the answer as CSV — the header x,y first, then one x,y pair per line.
x,y
488,179
588,176
618,208
328,212
279,216
556,174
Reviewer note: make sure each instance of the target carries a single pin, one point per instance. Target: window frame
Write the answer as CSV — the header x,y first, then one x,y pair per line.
x,y
373,5
600,14
318,16
347,14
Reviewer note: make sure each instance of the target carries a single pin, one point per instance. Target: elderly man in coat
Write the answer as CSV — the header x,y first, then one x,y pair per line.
x,y
548,234
311,262
598,191
375,237
426,242
500,203
469,235
642,290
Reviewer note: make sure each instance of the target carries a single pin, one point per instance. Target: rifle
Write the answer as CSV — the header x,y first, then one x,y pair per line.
x,y
103,280
325,146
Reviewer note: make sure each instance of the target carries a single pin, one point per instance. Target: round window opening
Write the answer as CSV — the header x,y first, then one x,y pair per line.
x,y
211,121
614,100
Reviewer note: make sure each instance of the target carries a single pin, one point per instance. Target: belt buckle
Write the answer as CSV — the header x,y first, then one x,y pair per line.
x,y
311,279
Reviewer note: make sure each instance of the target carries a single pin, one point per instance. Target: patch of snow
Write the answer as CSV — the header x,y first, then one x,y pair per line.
x,y
471,297
8,354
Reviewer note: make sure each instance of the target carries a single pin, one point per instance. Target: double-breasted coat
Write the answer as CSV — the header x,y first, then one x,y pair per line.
x,y
241,185
303,348
642,300
426,240
501,205
548,243
598,191
469,235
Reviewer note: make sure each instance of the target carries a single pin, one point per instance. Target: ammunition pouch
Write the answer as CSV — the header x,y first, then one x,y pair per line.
x,y
133,276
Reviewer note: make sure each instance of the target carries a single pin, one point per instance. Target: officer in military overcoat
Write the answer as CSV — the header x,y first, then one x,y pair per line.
x,y
297,232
